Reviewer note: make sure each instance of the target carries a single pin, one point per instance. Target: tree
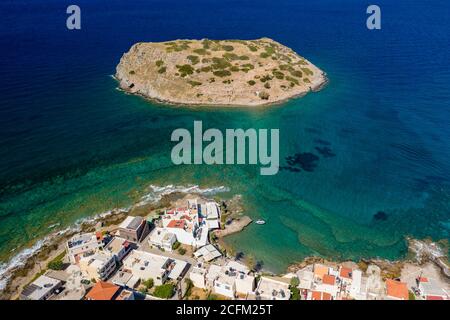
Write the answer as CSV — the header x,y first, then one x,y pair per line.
x,y
182,251
295,282
164,291
295,292
148,284
189,285
56,265
176,245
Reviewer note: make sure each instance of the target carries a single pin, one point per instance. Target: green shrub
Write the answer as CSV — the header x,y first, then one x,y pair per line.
x,y
307,71
194,83
206,69
230,56
132,72
222,73
251,82
193,59
220,63
202,51
264,95
162,70
182,251
267,85
278,74
269,50
297,73
177,47
176,245
148,284
293,80
266,78
264,55
159,63
164,291
252,48
189,286
185,69
227,48
57,263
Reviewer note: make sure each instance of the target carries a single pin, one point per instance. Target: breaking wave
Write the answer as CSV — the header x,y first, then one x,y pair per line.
x,y
153,195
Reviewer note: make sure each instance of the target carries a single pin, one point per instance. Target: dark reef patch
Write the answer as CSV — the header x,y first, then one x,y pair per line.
x,y
380,216
305,161
322,142
326,152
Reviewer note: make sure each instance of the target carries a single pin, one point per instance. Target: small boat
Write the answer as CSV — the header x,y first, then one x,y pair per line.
x,y
260,221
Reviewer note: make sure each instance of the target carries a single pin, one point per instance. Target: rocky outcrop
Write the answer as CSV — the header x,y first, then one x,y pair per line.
x,y
213,72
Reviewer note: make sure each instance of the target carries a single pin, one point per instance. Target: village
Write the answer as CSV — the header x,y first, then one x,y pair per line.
x,y
175,256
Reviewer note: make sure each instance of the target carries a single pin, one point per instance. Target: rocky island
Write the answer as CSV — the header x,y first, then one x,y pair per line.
x,y
217,72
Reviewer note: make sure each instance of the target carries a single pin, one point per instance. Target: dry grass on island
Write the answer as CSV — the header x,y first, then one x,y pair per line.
x,y
217,72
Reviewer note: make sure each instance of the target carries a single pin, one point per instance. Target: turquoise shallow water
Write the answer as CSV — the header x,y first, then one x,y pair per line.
x,y
375,139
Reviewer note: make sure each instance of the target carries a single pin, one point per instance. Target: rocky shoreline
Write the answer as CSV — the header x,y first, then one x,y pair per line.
x,y
217,72
421,252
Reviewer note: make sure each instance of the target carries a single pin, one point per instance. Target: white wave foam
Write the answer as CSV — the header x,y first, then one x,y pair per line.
x,y
155,193
21,258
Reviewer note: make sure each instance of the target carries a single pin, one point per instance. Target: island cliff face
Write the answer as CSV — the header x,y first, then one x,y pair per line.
x,y
213,72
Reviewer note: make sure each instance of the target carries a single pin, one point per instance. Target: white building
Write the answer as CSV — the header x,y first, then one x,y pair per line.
x,y
207,253
211,212
145,265
40,289
224,285
162,239
230,280
81,245
430,290
118,247
99,266
191,224
198,276
306,279
358,290
273,288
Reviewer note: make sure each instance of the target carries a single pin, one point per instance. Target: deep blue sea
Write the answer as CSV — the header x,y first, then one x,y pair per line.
x,y
376,139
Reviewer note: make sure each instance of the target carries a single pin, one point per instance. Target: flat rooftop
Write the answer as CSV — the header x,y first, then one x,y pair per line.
x,y
131,223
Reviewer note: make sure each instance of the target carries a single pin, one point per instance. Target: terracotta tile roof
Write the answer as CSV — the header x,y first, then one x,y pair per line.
x,y
176,224
397,289
423,279
327,279
102,291
434,298
318,295
345,273
320,270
